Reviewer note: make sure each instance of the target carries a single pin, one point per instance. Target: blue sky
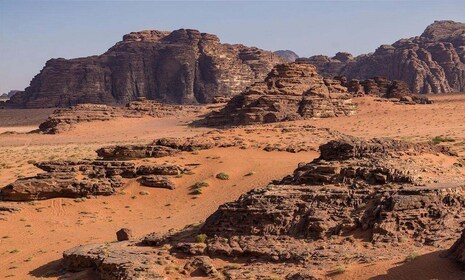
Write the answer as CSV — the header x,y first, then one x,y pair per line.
x,y
31,32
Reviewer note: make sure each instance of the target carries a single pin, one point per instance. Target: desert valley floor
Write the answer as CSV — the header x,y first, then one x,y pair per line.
x,y
33,239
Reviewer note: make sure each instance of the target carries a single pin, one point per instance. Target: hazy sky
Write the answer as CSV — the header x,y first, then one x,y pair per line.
x,y
31,32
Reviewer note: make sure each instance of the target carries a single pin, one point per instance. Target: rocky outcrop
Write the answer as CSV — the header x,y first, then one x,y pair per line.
x,y
379,188
397,91
433,62
76,179
457,251
291,91
287,55
361,201
64,119
183,66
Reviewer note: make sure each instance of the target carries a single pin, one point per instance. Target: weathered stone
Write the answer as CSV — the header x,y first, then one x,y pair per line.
x,y
124,234
51,185
159,169
204,265
290,92
367,200
457,251
156,181
434,62
183,66
135,151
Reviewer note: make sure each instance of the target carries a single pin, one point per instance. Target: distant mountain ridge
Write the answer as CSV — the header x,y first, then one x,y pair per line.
x,y
433,62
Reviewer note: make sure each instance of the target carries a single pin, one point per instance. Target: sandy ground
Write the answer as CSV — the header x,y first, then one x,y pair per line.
x,y
32,241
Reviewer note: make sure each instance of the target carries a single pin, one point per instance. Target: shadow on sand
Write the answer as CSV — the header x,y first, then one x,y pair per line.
x,y
428,266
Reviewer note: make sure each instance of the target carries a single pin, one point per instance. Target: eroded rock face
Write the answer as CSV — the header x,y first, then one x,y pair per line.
x,y
183,66
379,187
457,251
362,200
433,62
290,92
76,179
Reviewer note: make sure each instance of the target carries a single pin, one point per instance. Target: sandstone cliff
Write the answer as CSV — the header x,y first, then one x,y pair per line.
x,y
433,62
291,91
184,67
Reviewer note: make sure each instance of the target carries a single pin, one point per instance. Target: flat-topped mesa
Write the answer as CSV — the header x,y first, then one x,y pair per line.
x,y
291,91
431,63
182,67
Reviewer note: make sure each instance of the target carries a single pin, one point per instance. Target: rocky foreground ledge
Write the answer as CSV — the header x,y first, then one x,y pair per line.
x,y
359,201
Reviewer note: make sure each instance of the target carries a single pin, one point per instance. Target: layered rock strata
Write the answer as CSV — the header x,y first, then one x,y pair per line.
x,y
290,92
433,62
76,179
360,200
183,67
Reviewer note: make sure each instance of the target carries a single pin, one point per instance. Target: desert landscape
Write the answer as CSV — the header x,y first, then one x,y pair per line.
x,y
173,155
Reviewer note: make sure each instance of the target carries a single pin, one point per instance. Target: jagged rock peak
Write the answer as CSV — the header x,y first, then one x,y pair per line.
x,y
444,30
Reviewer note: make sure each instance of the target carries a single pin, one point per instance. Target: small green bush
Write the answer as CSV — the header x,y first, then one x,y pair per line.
x,y
440,139
339,269
412,256
201,238
200,184
222,176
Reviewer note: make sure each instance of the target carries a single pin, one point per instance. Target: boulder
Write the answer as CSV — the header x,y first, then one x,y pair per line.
x,y
156,181
124,234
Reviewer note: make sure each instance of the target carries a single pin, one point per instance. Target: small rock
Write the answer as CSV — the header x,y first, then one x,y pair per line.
x,y
124,234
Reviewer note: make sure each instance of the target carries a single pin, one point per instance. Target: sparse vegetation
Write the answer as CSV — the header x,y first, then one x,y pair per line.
x,y
200,184
440,139
339,269
412,256
197,191
201,238
222,176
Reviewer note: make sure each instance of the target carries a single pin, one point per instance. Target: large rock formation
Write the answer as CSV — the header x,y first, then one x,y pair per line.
x,y
291,91
361,201
76,179
380,187
184,66
433,62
